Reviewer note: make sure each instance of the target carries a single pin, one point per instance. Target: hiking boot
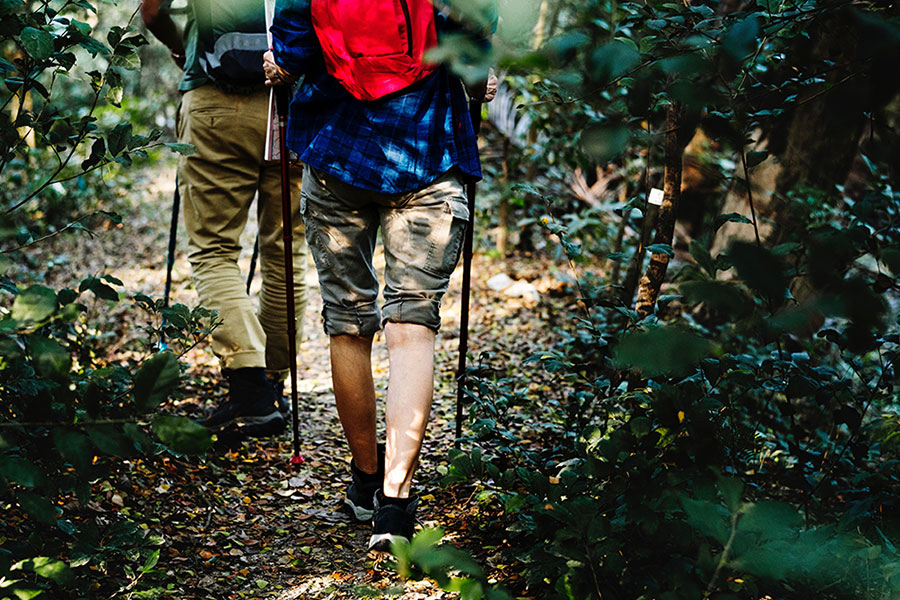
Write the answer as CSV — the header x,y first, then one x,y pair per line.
x,y
361,491
284,405
395,519
251,405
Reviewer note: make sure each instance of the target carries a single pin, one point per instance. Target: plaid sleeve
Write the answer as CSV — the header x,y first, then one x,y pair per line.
x,y
294,40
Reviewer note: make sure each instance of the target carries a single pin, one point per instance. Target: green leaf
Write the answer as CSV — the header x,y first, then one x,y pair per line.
x,y
48,568
151,561
155,380
612,60
74,446
740,41
771,520
182,434
731,218
761,270
38,507
141,440
182,149
98,151
754,158
127,58
37,43
262,584
10,349
703,258
51,359
661,351
34,304
118,138
115,35
731,489
604,142
891,258
26,593
21,471
81,27
5,264
661,249
708,518
110,440
67,526
115,94
640,426
721,296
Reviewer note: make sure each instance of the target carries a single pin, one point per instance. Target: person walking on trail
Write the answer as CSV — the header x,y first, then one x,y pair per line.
x,y
223,114
397,163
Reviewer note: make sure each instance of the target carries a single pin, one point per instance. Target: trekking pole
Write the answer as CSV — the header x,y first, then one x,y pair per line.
x,y
170,261
475,115
282,99
253,259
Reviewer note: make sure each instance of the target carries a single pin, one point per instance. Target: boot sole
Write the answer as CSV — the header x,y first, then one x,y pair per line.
x,y
360,513
244,421
382,542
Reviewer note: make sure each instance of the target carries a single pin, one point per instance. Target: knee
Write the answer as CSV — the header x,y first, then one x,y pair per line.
x,y
406,334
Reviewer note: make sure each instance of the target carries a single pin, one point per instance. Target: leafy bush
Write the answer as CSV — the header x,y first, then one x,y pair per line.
x,y
740,441
59,78
69,420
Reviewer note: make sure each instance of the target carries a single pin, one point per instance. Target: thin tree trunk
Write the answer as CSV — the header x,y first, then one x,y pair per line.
x,y
540,28
503,208
665,227
620,236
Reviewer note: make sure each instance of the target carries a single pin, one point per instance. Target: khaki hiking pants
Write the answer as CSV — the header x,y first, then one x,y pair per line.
x,y
217,186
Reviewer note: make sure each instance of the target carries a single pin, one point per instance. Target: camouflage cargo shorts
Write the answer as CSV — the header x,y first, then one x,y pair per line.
x,y
422,233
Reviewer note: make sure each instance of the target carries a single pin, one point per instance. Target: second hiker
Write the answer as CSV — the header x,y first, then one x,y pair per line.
x,y
223,114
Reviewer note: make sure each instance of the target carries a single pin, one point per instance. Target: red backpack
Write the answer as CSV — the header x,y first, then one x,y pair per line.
x,y
375,47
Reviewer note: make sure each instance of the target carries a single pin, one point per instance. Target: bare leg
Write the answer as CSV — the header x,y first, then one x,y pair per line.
x,y
409,396
354,394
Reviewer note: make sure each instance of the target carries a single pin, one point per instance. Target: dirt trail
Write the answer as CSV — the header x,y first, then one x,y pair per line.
x,y
242,523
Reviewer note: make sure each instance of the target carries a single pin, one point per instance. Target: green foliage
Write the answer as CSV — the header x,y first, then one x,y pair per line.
x,y
63,72
742,444
69,419
453,569
742,441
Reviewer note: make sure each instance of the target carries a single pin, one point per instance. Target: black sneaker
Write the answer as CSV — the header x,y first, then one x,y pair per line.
x,y
251,405
361,491
395,519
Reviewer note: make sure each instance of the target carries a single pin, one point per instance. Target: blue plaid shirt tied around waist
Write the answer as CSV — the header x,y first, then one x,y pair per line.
x,y
394,145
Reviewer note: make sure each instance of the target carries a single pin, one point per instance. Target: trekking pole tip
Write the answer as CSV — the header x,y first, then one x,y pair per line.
x,y
297,460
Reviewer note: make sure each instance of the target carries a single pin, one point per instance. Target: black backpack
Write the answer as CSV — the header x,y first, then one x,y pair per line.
x,y
231,38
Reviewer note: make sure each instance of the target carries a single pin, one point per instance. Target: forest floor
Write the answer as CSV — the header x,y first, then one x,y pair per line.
x,y
241,522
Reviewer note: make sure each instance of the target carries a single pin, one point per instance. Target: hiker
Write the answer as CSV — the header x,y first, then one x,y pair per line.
x,y
399,164
223,113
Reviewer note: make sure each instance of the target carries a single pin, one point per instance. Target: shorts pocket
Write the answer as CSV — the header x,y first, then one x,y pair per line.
x,y
319,250
447,239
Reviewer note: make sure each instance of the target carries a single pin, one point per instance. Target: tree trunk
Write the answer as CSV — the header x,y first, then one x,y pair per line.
x,y
665,225
503,207
616,266
540,28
